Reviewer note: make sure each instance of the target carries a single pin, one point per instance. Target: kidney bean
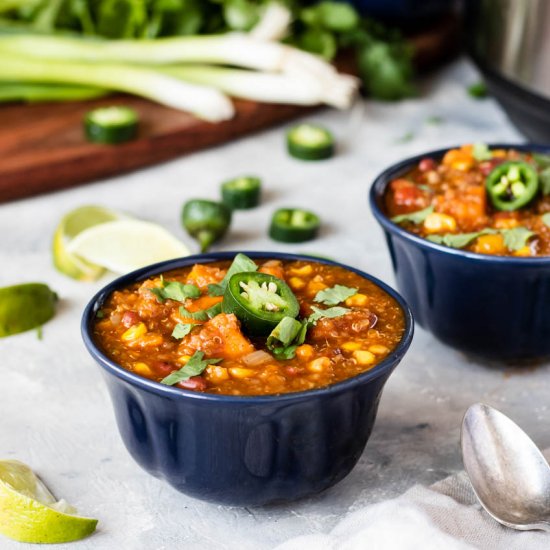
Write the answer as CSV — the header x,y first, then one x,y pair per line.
x,y
427,164
163,368
488,166
130,318
197,383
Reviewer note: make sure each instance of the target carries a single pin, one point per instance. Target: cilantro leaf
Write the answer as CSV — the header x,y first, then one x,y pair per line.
x,y
329,313
181,330
175,291
459,240
241,263
544,179
193,367
516,238
546,219
481,152
414,217
335,295
286,337
196,315
215,290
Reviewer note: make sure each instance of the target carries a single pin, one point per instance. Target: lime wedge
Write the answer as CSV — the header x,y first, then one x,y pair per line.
x,y
72,225
24,307
30,513
124,245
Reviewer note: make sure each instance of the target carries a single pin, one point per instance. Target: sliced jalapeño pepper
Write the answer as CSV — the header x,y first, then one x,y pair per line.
x,y
512,185
294,225
241,193
259,301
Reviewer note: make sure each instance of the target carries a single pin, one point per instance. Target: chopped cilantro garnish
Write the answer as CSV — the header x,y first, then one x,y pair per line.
x,y
414,217
181,330
193,367
241,263
335,295
329,313
176,291
516,238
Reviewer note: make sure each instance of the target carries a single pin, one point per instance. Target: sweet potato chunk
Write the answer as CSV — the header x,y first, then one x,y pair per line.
x,y
220,337
273,267
204,275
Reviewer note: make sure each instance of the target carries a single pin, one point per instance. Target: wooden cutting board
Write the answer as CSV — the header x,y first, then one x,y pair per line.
x,y
42,146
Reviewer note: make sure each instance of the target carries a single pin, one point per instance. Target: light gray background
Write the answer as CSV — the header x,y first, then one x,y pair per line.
x,y
55,413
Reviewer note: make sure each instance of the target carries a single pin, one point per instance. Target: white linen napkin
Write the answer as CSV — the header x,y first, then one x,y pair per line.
x,y
444,516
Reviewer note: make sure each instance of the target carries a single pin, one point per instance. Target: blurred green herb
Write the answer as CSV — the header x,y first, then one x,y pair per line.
x,y
384,58
478,90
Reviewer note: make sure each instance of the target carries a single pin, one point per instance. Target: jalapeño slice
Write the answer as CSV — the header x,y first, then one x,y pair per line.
x,y
310,142
294,225
512,185
259,301
111,125
241,193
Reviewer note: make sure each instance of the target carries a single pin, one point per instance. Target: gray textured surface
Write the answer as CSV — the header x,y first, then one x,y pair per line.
x,y
55,411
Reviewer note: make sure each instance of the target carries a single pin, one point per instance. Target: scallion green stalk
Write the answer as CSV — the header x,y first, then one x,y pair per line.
x,y
206,103
240,50
17,91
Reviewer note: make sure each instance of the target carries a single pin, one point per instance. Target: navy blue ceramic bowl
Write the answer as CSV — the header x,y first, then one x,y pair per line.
x,y
492,307
243,450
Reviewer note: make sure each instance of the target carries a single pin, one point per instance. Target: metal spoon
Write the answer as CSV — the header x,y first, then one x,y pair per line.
x,y
509,474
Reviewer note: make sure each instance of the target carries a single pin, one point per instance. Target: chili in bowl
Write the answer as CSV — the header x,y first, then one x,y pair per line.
x,y
247,379
468,230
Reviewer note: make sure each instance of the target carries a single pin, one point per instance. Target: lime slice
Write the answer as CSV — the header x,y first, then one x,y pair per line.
x,y
72,225
124,245
24,307
30,513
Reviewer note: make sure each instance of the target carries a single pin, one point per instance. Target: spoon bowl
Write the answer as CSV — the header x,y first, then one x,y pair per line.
x,y
509,474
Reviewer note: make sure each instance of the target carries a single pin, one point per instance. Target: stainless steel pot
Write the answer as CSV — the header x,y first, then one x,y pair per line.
x,y
510,42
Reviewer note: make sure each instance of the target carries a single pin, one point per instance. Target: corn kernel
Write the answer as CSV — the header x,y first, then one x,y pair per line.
x,y
216,374
183,359
296,283
357,300
304,352
490,244
523,251
378,349
302,271
351,346
506,223
149,340
364,357
318,365
133,333
239,372
143,369
439,223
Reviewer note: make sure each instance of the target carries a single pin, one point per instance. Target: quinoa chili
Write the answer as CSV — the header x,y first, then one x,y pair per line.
x,y
250,328
485,201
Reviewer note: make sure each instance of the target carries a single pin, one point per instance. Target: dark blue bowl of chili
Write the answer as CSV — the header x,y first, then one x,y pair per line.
x,y
490,307
244,450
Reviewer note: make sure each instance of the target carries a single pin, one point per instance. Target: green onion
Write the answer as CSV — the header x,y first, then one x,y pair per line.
x,y
204,102
236,49
17,91
271,88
